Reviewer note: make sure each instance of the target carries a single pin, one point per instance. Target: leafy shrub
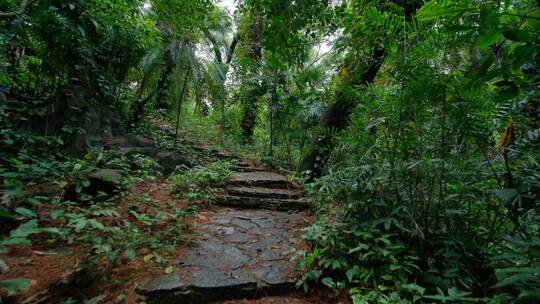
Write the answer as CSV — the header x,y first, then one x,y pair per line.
x,y
201,183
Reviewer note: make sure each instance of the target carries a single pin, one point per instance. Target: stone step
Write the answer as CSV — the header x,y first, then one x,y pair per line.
x,y
247,202
170,289
243,164
262,192
248,169
221,155
240,254
261,179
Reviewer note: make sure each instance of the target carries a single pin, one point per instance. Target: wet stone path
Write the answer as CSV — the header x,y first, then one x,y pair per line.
x,y
245,245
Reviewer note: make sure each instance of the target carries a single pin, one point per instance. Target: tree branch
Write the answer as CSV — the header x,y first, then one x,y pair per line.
x,y
215,45
230,52
25,4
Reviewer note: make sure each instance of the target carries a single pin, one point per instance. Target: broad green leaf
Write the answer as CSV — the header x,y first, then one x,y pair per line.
x,y
80,225
85,183
25,212
529,294
353,272
55,214
518,35
48,230
487,38
512,280
15,285
25,230
488,15
436,9
6,215
524,54
358,248
533,21
328,282
96,224
130,254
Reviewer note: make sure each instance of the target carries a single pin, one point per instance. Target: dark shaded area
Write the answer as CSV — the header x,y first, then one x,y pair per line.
x,y
335,119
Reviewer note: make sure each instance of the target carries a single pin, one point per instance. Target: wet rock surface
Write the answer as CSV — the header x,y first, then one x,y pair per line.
x,y
261,179
244,251
170,160
262,202
263,192
132,144
107,181
130,140
241,253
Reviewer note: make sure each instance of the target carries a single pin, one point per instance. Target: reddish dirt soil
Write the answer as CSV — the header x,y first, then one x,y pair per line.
x,y
48,264
44,269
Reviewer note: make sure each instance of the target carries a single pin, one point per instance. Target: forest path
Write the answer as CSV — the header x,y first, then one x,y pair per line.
x,y
245,243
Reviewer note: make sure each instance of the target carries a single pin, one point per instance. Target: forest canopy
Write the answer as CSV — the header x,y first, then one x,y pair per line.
x,y
411,126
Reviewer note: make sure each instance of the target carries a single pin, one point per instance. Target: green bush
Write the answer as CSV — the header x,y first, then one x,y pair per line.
x,y
201,183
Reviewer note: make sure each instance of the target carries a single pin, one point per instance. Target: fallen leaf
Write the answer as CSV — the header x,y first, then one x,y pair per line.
x,y
148,257
169,270
275,246
62,184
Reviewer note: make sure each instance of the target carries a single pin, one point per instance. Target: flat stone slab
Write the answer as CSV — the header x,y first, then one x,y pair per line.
x,y
241,253
247,202
248,169
261,178
263,192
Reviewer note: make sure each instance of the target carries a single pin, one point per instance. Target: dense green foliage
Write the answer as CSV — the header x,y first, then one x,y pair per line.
x,y
201,183
425,116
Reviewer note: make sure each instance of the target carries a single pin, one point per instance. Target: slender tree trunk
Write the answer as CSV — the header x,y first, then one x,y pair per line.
x,y
224,69
271,117
159,91
163,83
180,106
249,115
251,105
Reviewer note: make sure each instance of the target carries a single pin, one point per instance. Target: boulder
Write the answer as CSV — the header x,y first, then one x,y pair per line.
x,y
169,160
131,140
109,177
132,144
93,182
148,151
135,140
117,125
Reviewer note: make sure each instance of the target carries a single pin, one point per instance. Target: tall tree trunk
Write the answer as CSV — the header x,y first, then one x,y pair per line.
x,y
159,91
23,7
251,106
223,68
336,117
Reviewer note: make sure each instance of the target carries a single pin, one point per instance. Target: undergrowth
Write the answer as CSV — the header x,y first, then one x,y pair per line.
x,y
201,183
95,222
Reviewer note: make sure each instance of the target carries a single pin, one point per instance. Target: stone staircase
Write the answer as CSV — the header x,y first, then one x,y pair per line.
x,y
264,190
245,245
